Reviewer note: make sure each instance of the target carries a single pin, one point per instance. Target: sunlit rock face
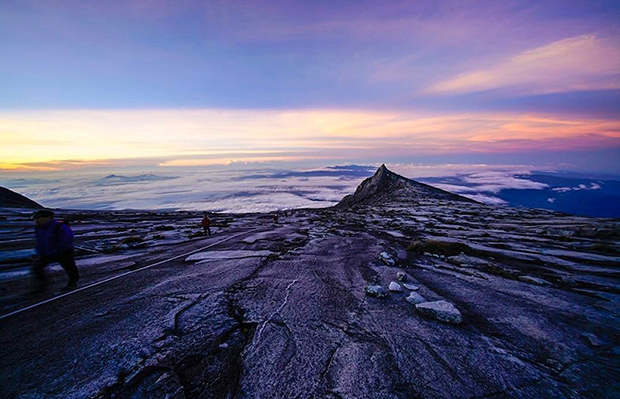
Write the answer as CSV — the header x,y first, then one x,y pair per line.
x,y
493,302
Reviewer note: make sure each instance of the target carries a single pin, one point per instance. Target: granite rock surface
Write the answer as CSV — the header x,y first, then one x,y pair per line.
x,y
279,310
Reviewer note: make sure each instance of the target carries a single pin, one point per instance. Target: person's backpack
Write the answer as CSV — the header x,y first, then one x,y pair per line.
x,y
57,228
65,222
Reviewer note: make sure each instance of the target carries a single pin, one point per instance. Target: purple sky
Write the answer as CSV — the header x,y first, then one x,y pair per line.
x,y
366,79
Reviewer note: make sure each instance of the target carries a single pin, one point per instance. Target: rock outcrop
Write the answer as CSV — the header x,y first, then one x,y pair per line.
x,y
386,186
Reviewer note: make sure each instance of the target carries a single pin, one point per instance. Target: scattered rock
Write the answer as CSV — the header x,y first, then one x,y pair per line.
x,y
415,298
387,259
375,290
440,310
592,340
533,280
395,287
400,276
411,287
467,261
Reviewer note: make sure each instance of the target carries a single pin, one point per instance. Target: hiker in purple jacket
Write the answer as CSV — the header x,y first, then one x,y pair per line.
x,y
54,244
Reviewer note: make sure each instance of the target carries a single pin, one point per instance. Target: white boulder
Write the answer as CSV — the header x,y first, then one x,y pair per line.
x,y
414,298
394,286
441,310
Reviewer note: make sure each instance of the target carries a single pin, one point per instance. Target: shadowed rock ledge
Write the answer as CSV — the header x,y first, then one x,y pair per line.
x,y
11,199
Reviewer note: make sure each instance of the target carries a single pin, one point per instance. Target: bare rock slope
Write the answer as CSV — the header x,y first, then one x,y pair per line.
x,y
398,292
386,186
11,199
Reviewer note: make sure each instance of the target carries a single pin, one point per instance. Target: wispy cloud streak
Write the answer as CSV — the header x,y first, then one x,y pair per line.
x,y
69,139
580,63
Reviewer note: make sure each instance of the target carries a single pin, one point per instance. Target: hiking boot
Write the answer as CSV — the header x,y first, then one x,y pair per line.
x,y
70,286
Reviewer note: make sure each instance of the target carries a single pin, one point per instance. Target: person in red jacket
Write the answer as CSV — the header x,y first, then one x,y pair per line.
x,y
54,244
206,225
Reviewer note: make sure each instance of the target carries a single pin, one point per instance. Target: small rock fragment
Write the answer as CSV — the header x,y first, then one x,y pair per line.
x,y
376,291
440,310
411,287
394,286
400,276
387,259
554,364
467,261
414,298
592,340
223,346
533,280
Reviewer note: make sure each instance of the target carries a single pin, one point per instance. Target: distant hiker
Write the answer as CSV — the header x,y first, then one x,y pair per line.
x,y
275,218
206,225
54,244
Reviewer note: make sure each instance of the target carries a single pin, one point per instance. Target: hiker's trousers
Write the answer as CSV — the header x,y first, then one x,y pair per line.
x,y
66,260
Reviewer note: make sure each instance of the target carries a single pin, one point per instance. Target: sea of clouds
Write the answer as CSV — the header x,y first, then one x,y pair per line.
x,y
258,189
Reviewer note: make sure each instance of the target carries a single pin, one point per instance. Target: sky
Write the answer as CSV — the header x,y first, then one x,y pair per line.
x,y
156,84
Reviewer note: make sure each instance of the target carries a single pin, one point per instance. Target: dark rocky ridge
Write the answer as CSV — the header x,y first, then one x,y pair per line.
x,y
386,186
11,199
279,310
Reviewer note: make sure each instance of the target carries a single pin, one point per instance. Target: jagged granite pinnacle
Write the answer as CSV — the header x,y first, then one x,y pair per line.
x,y
386,186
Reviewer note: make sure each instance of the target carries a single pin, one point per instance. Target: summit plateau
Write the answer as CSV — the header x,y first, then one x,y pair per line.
x,y
400,291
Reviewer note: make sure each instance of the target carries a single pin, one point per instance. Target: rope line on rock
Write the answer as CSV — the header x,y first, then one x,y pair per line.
x,y
288,292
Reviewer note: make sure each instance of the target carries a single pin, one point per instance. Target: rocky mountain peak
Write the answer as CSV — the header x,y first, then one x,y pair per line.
x,y
386,186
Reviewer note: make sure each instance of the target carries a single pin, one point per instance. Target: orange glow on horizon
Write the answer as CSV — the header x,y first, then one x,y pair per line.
x,y
58,140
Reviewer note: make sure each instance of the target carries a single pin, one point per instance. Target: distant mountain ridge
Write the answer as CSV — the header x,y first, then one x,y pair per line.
x,y
386,186
11,199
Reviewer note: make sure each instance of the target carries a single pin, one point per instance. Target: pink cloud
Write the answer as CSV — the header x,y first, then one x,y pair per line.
x,y
580,63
